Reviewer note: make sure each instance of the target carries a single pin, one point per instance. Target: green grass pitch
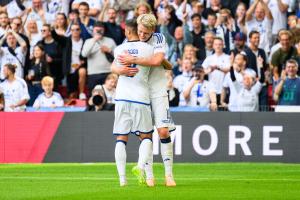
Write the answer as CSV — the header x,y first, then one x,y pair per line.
x,y
194,181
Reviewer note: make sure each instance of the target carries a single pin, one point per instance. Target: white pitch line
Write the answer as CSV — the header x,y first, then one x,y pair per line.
x,y
111,178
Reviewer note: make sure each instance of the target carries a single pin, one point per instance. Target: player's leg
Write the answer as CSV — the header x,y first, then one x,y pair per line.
x,y
164,123
120,157
122,127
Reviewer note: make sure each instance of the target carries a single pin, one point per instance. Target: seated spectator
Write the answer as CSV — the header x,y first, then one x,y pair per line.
x,y
247,92
14,89
173,92
200,92
38,69
48,98
287,92
103,96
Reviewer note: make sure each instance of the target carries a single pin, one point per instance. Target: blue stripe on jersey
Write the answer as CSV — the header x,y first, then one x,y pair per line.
x,y
130,101
159,38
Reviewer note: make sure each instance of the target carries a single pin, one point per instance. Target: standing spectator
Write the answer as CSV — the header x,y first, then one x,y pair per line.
x,y
200,92
53,54
259,18
287,92
73,64
279,10
239,43
4,23
173,92
14,89
93,5
211,22
215,7
181,80
226,29
240,17
169,18
34,35
198,31
87,23
96,50
285,52
112,29
39,68
13,54
61,24
216,66
48,98
208,49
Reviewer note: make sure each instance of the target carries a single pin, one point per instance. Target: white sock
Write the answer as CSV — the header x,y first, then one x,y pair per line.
x,y
149,167
167,156
120,157
144,153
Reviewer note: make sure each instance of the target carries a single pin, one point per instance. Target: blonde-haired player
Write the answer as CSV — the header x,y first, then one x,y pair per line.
x,y
158,92
48,98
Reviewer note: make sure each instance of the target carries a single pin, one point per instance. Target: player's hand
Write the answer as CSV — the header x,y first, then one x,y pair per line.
x,y
129,71
126,59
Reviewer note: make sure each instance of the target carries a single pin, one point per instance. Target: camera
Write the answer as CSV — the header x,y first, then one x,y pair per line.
x,y
98,100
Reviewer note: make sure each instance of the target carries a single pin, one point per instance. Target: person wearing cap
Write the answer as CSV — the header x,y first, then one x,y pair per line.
x,y
14,89
239,43
247,93
98,50
200,92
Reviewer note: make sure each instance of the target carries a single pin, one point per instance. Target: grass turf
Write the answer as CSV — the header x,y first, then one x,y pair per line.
x,y
194,181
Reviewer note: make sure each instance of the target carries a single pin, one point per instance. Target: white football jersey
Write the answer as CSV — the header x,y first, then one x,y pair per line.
x,y
42,101
134,89
14,92
157,78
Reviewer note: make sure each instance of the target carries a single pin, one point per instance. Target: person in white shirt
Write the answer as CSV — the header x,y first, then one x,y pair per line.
x,y
13,54
259,18
14,89
181,80
48,99
4,22
240,61
200,92
216,66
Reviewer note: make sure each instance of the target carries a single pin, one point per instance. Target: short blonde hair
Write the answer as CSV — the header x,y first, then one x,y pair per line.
x,y
47,80
147,20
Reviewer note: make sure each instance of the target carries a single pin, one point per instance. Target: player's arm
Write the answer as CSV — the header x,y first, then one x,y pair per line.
x,y
154,61
124,70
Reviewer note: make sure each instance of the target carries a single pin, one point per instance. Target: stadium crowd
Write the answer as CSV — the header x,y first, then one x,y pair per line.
x,y
236,55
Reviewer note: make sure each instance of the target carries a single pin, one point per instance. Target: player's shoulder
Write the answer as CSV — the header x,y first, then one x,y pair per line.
x,y
158,38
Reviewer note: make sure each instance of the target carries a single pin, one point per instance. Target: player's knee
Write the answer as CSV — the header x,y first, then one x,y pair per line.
x,y
122,138
163,133
145,136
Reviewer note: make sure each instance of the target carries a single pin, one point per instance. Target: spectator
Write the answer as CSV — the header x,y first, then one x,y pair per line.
x,y
181,80
216,66
14,89
182,36
34,35
142,7
279,10
53,54
39,68
173,92
54,7
240,17
14,8
86,22
93,6
215,7
61,24
247,93
211,23
112,29
239,43
169,18
95,50
74,65
285,52
48,98
226,29
208,49
287,92
198,31
13,54
199,92
106,92
189,52
4,22
261,21
239,65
